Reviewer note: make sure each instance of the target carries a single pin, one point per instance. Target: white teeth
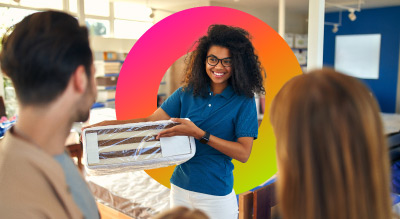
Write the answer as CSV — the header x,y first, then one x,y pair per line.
x,y
218,74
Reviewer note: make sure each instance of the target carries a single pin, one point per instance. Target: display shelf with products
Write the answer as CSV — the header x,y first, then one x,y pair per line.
x,y
298,43
10,98
108,66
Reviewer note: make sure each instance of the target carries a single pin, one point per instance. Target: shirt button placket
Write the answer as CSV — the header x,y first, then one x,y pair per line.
x,y
208,105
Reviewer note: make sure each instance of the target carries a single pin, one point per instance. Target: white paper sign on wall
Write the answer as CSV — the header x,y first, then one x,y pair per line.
x,y
358,55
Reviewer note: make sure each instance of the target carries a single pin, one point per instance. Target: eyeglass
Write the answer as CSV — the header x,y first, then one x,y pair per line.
x,y
213,61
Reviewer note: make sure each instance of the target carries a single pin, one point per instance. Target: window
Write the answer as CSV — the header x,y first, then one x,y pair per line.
x,y
92,7
97,7
73,6
132,11
130,19
98,27
53,4
11,16
130,29
11,2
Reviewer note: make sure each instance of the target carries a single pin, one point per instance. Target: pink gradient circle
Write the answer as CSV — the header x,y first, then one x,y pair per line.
x,y
173,37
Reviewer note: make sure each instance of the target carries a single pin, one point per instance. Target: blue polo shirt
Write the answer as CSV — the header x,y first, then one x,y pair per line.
x,y
227,116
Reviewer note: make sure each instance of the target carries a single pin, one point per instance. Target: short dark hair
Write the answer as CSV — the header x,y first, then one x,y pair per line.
x,y
42,52
247,72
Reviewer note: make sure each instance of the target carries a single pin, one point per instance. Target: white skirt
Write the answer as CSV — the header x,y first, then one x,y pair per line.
x,y
216,207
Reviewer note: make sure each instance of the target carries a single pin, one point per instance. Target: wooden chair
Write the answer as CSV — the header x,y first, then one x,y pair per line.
x,y
76,150
257,204
2,107
110,213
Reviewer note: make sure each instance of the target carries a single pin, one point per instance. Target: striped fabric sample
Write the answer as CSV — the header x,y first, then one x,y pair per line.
x,y
135,144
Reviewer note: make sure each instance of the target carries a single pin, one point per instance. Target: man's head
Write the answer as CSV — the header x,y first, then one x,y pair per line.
x,y
42,55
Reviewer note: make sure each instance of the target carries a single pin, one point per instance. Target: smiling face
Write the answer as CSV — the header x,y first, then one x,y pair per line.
x,y
219,74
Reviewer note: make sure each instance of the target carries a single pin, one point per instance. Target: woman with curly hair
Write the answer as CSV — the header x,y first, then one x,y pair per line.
x,y
222,76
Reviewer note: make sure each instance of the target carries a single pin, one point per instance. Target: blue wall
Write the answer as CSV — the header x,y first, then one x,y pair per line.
x,y
385,21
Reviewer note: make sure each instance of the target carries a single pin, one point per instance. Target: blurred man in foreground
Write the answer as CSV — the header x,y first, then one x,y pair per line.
x,y
48,58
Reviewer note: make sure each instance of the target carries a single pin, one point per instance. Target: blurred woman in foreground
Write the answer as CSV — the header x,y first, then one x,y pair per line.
x,y
331,151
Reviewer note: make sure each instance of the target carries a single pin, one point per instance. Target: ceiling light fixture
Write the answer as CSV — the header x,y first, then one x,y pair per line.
x,y
335,28
350,6
336,25
152,13
352,15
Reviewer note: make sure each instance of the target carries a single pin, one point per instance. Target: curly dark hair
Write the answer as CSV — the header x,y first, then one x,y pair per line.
x,y
247,72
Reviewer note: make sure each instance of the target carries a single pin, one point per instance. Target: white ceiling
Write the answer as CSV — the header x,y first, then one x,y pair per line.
x,y
300,6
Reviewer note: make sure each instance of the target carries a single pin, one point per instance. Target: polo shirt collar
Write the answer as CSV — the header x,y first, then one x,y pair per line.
x,y
226,93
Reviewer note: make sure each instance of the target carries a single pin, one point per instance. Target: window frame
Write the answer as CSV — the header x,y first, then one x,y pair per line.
x,y
81,15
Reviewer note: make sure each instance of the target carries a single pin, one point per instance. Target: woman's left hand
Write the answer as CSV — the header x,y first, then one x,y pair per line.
x,y
185,128
239,150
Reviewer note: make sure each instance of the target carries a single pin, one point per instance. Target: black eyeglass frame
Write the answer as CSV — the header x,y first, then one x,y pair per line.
x,y
218,60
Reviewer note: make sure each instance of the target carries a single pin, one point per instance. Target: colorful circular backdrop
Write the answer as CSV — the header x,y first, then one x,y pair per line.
x,y
172,38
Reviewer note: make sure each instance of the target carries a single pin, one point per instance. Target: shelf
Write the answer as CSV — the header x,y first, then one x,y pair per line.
x,y
111,74
119,61
106,87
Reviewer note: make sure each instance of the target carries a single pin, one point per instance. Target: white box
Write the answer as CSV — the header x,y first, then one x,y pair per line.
x,y
289,38
300,41
301,56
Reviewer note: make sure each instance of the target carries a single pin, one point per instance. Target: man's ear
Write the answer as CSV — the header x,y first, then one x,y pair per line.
x,y
79,79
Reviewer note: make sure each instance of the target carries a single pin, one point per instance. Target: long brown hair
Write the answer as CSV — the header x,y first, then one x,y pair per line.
x,y
331,151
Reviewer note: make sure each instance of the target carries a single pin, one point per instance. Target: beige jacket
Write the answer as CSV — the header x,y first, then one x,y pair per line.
x,y
32,183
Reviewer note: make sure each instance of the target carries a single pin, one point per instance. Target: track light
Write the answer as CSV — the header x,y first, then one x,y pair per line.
x,y
335,28
152,13
352,15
